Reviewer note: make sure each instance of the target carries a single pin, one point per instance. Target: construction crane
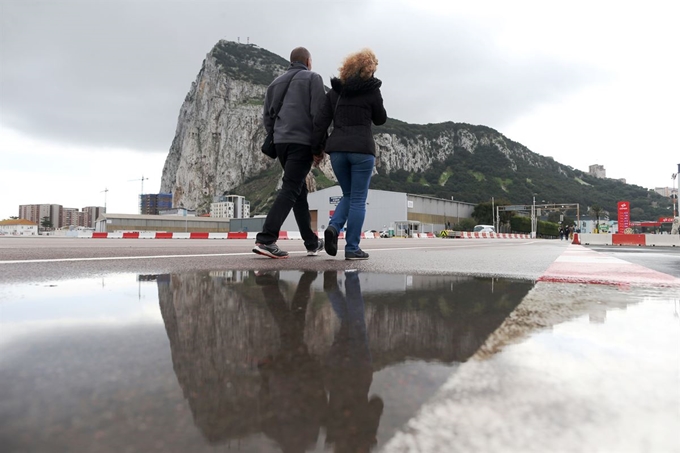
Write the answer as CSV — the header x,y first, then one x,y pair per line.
x,y
141,195
106,189
143,178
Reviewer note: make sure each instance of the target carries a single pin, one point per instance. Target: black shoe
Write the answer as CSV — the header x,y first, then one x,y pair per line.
x,y
270,250
315,251
358,255
331,243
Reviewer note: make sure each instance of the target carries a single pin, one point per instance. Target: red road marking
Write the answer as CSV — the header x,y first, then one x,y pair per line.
x,y
580,265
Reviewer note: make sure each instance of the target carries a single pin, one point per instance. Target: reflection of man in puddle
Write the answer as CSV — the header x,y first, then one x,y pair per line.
x,y
353,419
292,397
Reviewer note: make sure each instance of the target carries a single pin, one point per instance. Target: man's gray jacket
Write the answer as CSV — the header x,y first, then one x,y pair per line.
x,y
304,99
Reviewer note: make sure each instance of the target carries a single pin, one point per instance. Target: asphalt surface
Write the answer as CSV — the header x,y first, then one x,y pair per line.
x,y
26,259
430,345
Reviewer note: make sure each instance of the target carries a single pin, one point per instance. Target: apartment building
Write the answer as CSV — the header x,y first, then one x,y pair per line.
x,y
37,212
71,217
91,214
230,207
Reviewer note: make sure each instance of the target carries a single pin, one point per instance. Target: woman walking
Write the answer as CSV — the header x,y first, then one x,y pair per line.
x,y
353,104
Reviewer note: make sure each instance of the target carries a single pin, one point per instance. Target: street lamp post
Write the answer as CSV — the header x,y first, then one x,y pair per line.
x,y
533,217
674,193
678,197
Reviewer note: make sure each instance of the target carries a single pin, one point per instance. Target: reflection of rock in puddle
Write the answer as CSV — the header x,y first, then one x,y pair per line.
x,y
549,304
287,353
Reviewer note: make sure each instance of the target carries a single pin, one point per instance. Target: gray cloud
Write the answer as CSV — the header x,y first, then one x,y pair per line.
x,y
114,73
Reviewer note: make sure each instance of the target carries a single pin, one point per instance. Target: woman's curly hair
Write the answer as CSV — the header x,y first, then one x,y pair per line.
x,y
362,64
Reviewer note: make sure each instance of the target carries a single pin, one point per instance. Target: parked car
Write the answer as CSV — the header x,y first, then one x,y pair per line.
x,y
484,229
385,233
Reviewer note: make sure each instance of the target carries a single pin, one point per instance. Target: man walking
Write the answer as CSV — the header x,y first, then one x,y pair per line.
x,y
293,138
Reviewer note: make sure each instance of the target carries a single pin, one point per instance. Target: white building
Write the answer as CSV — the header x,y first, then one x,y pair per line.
x,y
222,209
230,207
398,211
18,227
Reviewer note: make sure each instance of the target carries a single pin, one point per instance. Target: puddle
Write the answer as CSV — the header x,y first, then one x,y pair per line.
x,y
234,360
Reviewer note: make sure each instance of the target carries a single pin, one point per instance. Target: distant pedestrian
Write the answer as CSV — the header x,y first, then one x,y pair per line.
x,y
293,138
353,104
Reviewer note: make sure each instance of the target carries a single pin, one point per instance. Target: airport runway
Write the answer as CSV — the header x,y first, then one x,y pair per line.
x,y
54,258
430,345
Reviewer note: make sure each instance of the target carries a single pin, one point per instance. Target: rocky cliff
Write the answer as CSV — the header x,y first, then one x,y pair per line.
x,y
219,132
219,129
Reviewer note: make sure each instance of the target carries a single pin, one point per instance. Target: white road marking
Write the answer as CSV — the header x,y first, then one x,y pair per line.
x,y
491,243
105,258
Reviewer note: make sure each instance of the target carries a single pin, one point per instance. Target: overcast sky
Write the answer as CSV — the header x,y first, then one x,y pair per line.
x,y
90,90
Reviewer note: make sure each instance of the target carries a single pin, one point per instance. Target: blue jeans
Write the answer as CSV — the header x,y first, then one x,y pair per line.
x,y
353,171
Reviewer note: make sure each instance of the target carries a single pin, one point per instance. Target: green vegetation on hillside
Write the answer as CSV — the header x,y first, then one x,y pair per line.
x,y
472,177
476,177
260,190
248,62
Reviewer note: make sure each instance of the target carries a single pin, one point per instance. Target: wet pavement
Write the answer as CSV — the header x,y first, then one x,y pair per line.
x,y
574,368
235,360
341,360
432,346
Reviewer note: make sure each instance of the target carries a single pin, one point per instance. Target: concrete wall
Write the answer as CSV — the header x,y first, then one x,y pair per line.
x,y
110,223
249,225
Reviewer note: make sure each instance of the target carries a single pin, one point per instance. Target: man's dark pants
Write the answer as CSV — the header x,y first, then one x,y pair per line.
x,y
296,161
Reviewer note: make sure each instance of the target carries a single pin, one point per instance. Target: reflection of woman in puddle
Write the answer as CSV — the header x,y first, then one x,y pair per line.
x,y
292,397
353,419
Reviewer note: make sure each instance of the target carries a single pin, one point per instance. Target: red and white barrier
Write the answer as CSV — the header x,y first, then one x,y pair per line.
x,y
181,235
639,240
472,235
283,235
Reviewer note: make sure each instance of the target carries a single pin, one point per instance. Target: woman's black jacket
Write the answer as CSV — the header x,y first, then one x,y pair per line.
x,y
359,103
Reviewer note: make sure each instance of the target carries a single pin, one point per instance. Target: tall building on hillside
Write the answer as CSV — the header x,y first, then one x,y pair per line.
x,y
665,191
230,207
598,171
153,203
222,209
37,212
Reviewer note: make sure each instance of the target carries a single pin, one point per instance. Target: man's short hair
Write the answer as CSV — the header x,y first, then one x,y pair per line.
x,y
300,54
